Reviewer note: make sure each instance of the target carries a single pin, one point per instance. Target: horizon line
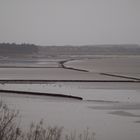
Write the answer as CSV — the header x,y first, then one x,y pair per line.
x,y
72,45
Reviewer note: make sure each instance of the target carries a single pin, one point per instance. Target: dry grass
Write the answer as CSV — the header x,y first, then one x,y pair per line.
x,y
10,129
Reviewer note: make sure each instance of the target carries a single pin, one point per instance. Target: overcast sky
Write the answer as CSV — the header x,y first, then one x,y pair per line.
x,y
72,22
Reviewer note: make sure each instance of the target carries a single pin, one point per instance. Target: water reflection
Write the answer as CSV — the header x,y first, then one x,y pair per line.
x,y
117,106
124,113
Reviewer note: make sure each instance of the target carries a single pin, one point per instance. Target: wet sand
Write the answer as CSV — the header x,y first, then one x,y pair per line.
x,y
110,107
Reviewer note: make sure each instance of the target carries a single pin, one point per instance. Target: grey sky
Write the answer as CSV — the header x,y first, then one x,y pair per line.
x,y
61,22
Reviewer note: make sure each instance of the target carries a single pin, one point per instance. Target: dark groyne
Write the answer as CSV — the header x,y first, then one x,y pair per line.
x,y
22,81
41,94
121,76
70,68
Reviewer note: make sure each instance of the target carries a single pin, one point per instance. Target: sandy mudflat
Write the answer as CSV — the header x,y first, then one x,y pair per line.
x,y
118,64
110,109
52,74
101,68
106,119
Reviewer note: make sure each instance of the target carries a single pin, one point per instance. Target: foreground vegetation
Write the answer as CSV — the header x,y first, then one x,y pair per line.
x,y
10,129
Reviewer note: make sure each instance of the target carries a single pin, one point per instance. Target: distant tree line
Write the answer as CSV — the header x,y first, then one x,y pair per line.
x,y
13,49
17,49
91,50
